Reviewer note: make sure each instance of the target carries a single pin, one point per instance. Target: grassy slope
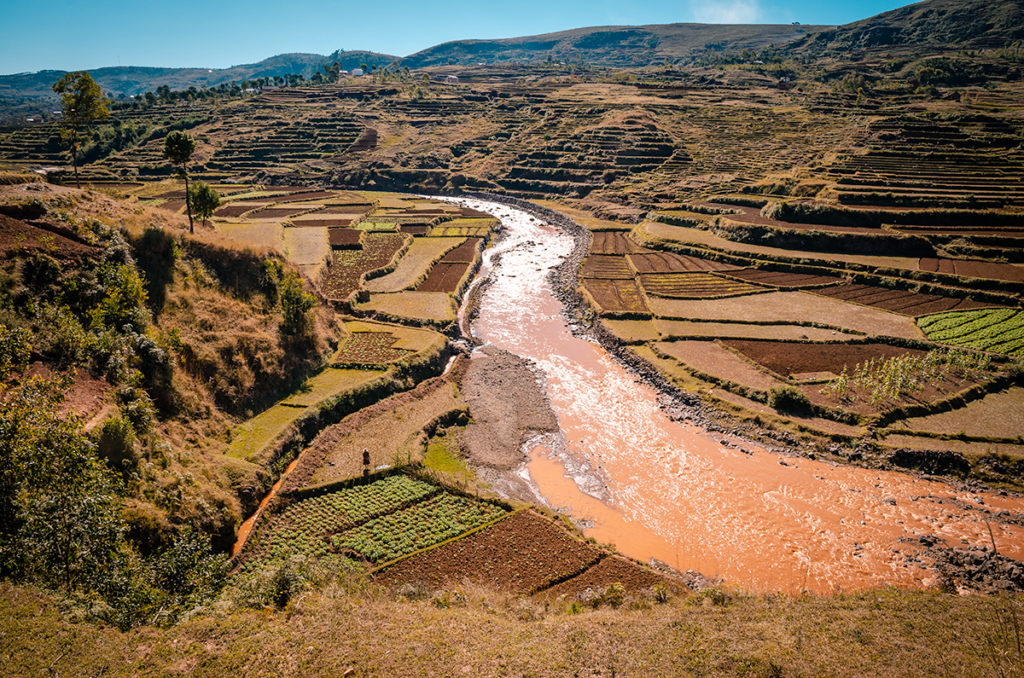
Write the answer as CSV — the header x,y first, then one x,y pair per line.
x,y
887,632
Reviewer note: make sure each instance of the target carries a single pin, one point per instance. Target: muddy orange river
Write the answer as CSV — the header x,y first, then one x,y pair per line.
x,y
660,489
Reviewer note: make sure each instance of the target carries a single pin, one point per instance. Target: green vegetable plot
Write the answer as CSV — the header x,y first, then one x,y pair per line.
x,y
419,526
1000,330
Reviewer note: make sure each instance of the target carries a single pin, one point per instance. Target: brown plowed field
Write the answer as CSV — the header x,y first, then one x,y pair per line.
x,y
694,286
606,266
344,238
523,553
172,205
974,269
651,261
464,253
168,195
611,242
783,279
616,296
278,212
443,277
470,213
237,209
899,301
414,229
610,570
794,357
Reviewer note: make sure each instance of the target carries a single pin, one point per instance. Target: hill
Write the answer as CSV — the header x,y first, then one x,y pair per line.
x,y
129,80
934,24
612,45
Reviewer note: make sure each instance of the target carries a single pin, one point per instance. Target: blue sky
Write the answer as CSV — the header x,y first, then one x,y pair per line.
x,y
74,34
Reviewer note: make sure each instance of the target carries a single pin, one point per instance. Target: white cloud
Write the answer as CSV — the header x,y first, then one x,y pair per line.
x,y
725,11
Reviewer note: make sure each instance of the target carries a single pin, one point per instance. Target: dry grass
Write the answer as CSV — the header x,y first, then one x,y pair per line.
x,y
883,632
712,358
437,308
997,415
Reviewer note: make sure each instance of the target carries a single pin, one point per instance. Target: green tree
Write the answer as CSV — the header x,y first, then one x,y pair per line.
x,y
82,103
204,200
296,303
60,512
178,148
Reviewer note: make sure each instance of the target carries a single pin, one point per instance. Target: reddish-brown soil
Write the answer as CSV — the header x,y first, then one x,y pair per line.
x,y
344,238
172,205
278,212
616,296
899,301
466,252
16,235
794,357
606,266
652,261
168,195
443,277
784,279
612,242
414,229
524,554
232,210
610,570
974,269
87,394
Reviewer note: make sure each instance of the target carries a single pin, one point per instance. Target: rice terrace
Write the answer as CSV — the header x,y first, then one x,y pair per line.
x,y
667,349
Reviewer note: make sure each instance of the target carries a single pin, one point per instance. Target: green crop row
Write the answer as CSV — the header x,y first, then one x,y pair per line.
x,y
303,527
419,526
1000,330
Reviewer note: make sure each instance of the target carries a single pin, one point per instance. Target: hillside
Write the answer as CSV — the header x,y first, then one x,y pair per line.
x,y
129,80
611,45
934,24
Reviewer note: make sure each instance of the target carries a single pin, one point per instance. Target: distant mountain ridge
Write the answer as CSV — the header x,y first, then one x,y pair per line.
x,y
612,45
129,80
939,25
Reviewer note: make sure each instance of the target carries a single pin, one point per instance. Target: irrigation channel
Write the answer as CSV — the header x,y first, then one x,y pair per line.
x,y
661,489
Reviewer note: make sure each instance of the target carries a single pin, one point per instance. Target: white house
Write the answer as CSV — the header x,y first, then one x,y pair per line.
x,y
451,79
357,72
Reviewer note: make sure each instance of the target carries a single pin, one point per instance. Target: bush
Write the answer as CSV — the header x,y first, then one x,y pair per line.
x,y
116,444
788,399
15,350
296,304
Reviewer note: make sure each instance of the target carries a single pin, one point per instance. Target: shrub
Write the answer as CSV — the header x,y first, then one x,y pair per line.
x,y
116,444
788,399
15,350
296,304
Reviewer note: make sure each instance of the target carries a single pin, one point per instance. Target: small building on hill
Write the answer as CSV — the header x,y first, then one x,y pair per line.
x,y
451,79
356,72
